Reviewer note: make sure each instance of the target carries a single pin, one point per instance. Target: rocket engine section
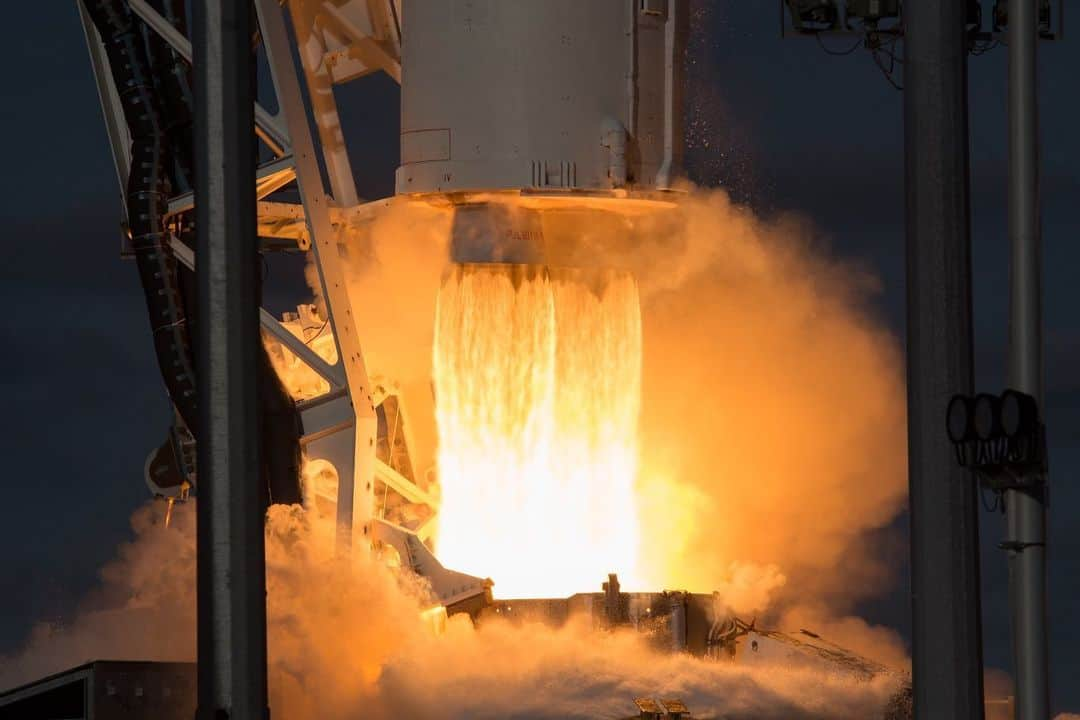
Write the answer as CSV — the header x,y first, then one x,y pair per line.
x,y
552,96
532,120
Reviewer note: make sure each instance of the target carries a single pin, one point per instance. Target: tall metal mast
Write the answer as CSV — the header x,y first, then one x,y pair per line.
x,y
1025,507
947,640
231,561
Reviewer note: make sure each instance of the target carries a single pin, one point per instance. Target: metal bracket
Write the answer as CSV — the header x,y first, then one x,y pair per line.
x,y
449,587
372,53
1018,546
1002,477
269,178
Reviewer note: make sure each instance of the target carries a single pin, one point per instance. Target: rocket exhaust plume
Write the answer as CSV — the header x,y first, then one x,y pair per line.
x,y
766,467
538,388
764,450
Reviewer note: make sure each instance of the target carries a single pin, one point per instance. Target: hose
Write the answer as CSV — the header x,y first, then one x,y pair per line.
x,y
163,160
147,192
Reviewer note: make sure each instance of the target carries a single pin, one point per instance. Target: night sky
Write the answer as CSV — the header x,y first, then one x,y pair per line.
x,y
789,128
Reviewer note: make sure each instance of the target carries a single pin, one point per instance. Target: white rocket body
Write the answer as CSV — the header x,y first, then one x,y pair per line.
x,y
540,95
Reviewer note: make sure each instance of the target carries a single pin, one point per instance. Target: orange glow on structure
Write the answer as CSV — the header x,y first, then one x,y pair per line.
x,y
538,390
299,380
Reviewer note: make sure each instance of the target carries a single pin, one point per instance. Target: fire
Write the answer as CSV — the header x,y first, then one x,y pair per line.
x,y
538,390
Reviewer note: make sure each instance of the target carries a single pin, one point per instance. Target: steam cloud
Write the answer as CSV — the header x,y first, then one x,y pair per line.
x,y
350,642
143,609
773,409
774,402
771,445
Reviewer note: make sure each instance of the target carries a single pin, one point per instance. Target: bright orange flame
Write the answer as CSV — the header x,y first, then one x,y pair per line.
x,y
538,391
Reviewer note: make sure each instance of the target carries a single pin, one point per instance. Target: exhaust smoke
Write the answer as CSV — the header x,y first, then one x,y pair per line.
x,y
768,447
352,642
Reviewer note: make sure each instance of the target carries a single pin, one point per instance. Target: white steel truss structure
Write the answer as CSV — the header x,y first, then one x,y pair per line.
x,y
336,42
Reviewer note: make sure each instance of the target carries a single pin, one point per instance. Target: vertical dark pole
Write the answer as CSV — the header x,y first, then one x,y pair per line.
x,y
1026,509
231,563
947,652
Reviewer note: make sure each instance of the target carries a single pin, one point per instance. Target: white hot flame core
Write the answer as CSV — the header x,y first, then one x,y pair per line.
x,y
538,391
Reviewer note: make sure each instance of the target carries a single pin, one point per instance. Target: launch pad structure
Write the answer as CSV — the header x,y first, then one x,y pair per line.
x,y
584,133
564,104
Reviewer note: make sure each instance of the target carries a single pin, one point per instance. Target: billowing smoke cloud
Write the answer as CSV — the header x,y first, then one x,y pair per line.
x,y
772,430
348,642
393,266
771,445
143,609
773,407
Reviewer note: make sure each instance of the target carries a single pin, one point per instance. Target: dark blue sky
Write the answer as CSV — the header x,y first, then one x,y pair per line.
x,y
790,129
